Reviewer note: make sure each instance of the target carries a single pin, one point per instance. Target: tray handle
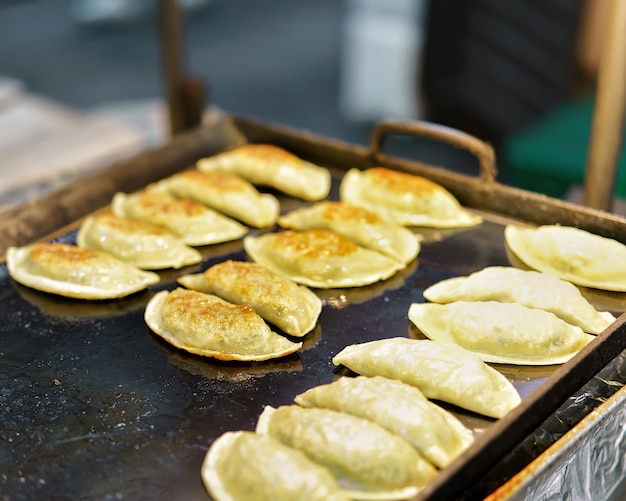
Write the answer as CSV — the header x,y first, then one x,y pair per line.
x,y
483,151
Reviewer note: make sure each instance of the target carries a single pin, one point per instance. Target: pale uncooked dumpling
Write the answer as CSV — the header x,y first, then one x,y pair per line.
x,y
320,258
534,289
505,333
269,165
404,198
399,408
291,307
441,371
246,466
141,244
360,225
194,223
225,192
207,325
571,254
77,272
352,448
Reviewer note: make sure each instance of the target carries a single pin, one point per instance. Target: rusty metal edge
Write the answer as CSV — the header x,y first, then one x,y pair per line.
x,y
38,218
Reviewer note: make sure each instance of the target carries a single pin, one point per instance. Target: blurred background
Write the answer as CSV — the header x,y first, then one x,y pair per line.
x,y
81,81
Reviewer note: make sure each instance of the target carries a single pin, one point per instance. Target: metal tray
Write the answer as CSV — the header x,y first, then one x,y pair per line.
x,y
94,406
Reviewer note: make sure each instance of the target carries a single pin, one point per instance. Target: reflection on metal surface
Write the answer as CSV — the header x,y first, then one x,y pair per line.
x,y
340,298
589,462
59,306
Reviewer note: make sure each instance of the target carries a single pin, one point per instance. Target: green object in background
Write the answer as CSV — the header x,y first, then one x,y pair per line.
x,y
551,156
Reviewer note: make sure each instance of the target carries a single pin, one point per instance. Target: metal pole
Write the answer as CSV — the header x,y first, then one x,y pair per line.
x,y
608,116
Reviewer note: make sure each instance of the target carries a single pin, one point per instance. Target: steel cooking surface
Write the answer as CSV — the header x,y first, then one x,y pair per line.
x,y
93,405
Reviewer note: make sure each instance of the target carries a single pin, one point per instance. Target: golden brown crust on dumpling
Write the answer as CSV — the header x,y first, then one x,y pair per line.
x,y
406,199
339,211
206,325
320,258
402,182
314,244
291,307
194,223
269,165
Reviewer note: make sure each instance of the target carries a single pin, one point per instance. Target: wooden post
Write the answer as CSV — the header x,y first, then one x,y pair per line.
x,y
608,115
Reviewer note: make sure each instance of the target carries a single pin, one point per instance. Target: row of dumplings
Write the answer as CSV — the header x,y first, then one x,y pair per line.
x,y
363,238
158,227
374,436
355,242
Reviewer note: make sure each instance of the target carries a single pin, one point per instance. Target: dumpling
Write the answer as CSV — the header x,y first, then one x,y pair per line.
x,y
141,244
352,448
71,271
225,192
505,333
399,408
442,371
193,222
571,254
291,307
206,325
269,165
360,225
529,288
320,258
246,466
407,199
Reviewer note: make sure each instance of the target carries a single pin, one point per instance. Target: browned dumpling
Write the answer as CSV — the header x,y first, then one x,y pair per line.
x,y
227,193
360,225
207,325
141,244
269,165
192,221
71,271
291,307
407,199
320,258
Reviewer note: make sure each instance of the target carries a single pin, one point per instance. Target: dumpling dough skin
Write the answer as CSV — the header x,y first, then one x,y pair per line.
x,y
530,288
352,448
360,225
269,165
441,371
571,254
206,325
505,333
320,258
291,307
193,222
398,407
72,271
246,466
225,192
407,199
141,244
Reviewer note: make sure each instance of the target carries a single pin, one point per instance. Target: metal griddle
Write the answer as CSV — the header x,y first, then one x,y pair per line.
x,y
95,406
